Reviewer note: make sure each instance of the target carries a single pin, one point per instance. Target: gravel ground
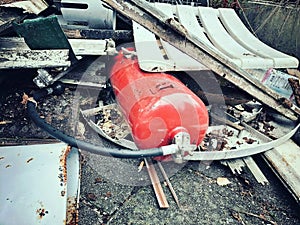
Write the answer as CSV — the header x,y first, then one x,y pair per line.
x,y
106,196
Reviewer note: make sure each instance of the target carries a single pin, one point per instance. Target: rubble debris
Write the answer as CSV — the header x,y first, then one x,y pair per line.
x,y
91,196
34,59
294,72
141,166
112,122
296,90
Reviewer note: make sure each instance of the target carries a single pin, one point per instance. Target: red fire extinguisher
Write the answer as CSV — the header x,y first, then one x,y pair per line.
x,y
156,105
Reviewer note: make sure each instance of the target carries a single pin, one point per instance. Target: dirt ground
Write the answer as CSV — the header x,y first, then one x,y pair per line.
x,y
110,194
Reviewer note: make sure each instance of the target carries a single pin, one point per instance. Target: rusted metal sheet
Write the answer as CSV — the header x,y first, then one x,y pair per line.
x,y
35,183
170,30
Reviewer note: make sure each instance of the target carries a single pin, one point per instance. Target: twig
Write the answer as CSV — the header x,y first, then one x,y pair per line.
x,y
255,215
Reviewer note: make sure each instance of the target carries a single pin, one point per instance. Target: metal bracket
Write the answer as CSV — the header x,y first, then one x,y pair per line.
x,y
182,140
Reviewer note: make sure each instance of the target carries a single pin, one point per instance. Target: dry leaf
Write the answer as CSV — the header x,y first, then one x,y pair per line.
x,y
222,181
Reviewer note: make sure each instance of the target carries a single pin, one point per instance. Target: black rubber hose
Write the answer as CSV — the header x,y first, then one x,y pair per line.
x,y
96,149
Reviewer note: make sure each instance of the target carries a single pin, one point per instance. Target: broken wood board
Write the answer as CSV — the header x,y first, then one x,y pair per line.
x,y
80,47
284,160
170,30
15,59
8,16
159,193
116,35
32,6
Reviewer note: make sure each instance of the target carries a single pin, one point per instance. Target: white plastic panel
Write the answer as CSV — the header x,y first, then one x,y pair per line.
x,y
244,37
226,44
220,29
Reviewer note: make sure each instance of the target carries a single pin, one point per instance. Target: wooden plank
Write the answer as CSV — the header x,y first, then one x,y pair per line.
x,y
172,31
13,59
163,172
257,173
284,160
160,196
79,46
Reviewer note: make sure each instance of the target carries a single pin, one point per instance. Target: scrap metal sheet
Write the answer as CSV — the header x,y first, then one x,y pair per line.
x,y
33,184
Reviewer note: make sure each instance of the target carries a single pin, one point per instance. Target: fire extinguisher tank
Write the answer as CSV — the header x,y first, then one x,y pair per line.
x,y
156,105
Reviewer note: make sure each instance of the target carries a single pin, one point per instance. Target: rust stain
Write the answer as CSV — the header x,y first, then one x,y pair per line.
x,y
72,211
41,212
29,160
63,166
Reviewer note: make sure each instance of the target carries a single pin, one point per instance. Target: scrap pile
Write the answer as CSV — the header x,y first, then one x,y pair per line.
x,y
57,38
